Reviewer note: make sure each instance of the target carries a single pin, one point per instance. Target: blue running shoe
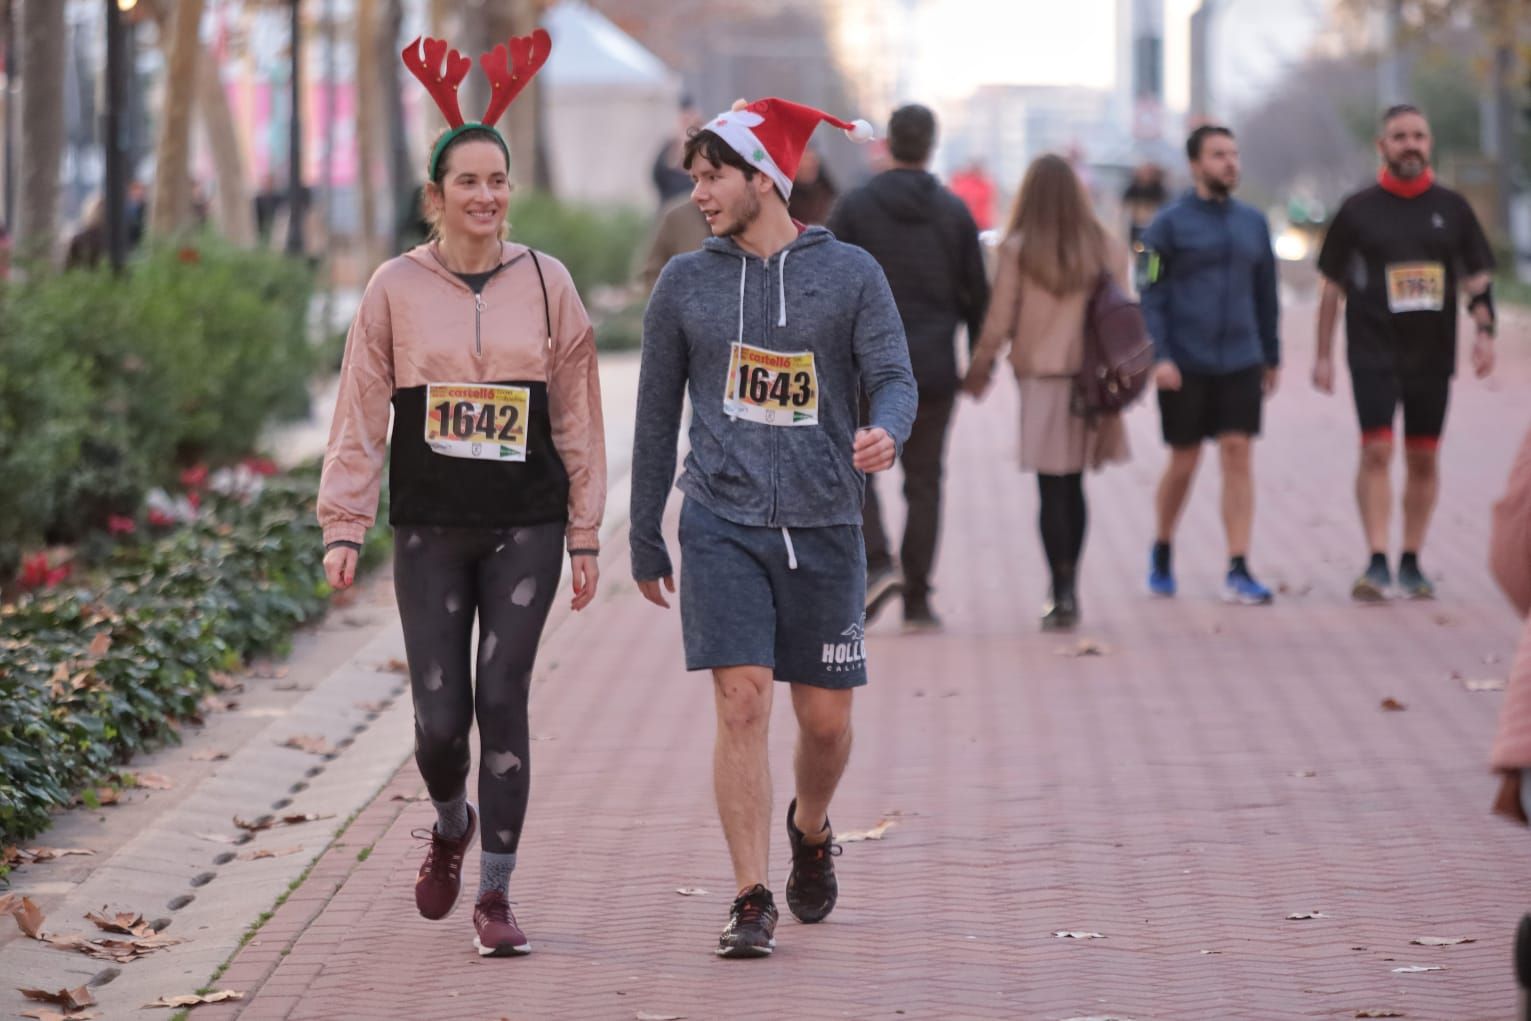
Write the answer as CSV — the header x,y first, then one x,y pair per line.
x,y
1241,587
1161,580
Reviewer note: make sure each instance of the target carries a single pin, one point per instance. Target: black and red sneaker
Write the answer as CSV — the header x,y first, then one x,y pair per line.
x,y
440,879
751,928
495,928
811,886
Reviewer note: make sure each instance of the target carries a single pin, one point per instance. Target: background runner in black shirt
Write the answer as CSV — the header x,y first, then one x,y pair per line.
x,y
1397,254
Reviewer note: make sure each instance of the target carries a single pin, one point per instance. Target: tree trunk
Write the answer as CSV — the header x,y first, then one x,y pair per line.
x,y
170,210
528,166
367,112
236,215
401,173
40,61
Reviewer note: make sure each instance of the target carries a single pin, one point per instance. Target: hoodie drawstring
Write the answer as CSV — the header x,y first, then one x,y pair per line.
x,y
744,266
781,286
791,553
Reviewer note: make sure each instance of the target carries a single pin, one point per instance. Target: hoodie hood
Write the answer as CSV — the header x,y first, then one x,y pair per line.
x,y
424,255
808,237
909,196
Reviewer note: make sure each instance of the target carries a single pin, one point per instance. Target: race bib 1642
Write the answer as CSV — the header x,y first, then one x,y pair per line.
x,y
477,420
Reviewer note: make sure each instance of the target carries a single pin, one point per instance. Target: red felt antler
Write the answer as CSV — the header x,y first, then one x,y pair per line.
x,y
440,79
509,71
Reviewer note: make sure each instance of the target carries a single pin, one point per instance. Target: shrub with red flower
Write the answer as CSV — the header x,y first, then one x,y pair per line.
x,y
260,465
194,477
37,573
119,524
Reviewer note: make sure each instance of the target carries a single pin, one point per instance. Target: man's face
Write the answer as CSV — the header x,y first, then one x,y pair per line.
x,y
728,200
1405,145
1217,168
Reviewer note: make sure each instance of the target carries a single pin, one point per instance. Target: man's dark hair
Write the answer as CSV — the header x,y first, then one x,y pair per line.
x,y
1200,135
710,146
1398,110
911,133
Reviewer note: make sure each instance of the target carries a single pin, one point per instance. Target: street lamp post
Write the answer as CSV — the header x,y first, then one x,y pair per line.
x,y
295,205
113,132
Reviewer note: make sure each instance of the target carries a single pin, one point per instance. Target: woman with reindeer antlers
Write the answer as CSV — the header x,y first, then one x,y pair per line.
x,y
486,355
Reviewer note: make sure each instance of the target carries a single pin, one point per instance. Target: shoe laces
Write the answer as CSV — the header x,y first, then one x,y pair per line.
x,y
749,909
818,852
440,857
495,908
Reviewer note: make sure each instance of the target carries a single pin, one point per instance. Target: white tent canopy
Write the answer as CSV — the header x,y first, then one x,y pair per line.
x,y
609,104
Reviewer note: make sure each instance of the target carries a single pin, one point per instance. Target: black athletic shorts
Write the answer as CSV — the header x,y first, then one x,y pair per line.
x,y
1207,406
1424,399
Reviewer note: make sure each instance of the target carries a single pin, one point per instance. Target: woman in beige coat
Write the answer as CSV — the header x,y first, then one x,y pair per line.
x,y
1053,255
1510,559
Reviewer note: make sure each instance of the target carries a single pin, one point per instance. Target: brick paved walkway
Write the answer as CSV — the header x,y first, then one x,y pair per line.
x,y
1216,770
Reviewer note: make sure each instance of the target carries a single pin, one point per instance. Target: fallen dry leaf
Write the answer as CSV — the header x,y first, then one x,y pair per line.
x,y
691,891
99,645
372,707
645,1015
193,1000
209,755
53,1015
150,781
226,682
265,822
1440,941
1305,774
875,833
1487,684
393,666
1393,705
1415,969
32,855
302,817
29,917
128,923
1084,647
406,797
1065,934
70,999
294,686
267,852
311,743
1302,916
1380,1012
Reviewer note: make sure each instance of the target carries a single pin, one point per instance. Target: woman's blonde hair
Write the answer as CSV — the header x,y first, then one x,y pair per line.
x,y
1062,244
432,216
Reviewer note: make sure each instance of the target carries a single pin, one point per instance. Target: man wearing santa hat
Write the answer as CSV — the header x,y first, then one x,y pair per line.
x,y
773,328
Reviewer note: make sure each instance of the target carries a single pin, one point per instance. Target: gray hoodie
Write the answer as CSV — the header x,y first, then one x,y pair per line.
x,y
816,295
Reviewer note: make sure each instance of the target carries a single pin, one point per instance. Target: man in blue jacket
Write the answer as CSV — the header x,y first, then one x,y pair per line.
x,y
774,329
1212,309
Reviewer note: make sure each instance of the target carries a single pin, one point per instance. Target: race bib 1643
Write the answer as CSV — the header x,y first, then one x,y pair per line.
x,y
772,387
477,420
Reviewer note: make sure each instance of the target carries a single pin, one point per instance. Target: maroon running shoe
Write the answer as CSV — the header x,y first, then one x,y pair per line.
x,y
440,880
498,933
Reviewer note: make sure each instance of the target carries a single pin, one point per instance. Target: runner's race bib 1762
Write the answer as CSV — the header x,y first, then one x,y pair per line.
x,y
772,387
1416,287
477,420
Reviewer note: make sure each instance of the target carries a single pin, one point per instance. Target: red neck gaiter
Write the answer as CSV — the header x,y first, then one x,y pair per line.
x,y
1405,189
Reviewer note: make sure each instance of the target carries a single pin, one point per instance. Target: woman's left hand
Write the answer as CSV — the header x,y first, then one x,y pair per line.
x,y
587,574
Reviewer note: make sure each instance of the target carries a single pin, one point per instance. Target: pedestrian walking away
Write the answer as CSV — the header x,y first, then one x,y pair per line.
x,y
926,242
1395,256
1211,306
486,355
773,328
1052,259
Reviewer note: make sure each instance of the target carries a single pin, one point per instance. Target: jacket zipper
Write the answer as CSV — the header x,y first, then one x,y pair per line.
x,y
765,295
478,314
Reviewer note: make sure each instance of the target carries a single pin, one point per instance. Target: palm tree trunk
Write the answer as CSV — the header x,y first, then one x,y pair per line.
x,y
170,209
367,112
41,64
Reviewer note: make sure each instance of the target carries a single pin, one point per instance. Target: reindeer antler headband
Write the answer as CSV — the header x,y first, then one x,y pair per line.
x,y
441,70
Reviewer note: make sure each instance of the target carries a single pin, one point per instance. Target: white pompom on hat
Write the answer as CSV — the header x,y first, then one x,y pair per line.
x,y
771,134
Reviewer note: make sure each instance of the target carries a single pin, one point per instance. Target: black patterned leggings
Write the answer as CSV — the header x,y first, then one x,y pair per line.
x,y
508,578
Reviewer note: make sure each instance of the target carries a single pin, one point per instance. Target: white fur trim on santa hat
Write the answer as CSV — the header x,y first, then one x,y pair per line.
x,y
860,131
734,128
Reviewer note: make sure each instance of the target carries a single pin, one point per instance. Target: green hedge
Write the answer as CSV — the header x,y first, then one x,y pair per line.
x,y
110,384
204,598
596,244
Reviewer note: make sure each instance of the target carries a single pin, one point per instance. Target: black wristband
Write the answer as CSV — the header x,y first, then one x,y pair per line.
x,y
1485,299
347,543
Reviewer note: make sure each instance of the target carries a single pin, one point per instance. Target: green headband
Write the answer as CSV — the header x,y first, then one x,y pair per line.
x,y
457,132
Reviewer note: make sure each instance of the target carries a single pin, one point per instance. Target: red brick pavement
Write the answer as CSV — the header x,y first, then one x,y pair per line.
x,y
1217,769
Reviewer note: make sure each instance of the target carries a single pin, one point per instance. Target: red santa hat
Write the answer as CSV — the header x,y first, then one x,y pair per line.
x,y
771,135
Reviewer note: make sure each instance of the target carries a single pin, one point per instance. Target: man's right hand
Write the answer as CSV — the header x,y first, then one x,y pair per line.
x,y
654,593
1167,376
1323,375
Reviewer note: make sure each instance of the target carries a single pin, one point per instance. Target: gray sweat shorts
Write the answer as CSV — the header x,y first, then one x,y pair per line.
x,y
742,603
